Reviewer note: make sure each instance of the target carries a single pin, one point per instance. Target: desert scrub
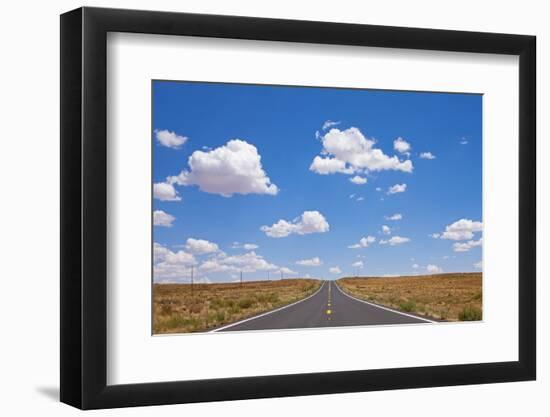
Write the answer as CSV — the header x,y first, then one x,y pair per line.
x,y
408,306
470,313
178,308
449,297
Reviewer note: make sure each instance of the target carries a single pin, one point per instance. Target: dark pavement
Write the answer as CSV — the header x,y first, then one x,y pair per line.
x,y
328,307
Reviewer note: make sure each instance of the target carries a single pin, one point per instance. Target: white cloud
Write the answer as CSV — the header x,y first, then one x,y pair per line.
x,y
165,192
200,246
287,271
248,262
358,264
394,217
171,265
234,168
395,241
170,139
462,229
349,151
427,155
360,199
351,195
463,141
310,262
325,166
245,246
378,189
160,218
415,266
335,270
159,252
478,265
466,246
435,235
363,242
386,230
330,123
358,180
308,222
401,146
397,188
433,269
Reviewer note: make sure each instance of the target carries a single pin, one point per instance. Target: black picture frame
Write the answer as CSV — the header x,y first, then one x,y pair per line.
x,y
84,207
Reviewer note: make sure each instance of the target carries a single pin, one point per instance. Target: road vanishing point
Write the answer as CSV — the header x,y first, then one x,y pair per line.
x,y
329,306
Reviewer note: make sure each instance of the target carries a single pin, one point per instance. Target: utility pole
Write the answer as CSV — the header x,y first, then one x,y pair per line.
x,y
241,278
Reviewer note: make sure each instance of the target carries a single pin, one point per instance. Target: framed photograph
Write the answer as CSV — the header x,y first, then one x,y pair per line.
x,y
261,208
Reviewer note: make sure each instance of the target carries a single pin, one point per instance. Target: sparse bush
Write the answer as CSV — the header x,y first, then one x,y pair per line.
x,y
245,302
409,305
470,313
220,316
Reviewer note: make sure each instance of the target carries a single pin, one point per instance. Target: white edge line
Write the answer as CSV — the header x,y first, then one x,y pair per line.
x,y
383,308
268,312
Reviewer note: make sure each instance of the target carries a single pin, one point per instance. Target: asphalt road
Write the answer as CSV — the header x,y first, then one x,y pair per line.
x,y
328,307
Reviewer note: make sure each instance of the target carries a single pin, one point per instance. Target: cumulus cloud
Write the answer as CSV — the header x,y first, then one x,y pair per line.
x,y
165,192
308,222
427,155
358,264
200,246
397,188
234,168
325,166
160,218
433,269
394,217
170,139
169,264
395,241
287,271
248,262
358,180
463,141
335,270
478,265
310,262
329,123
466,246
360,199
363,242
348,152
245,246
386,230
462,229
401,146
415,266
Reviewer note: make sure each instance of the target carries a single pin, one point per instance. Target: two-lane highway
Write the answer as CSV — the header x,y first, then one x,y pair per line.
x,y
328,307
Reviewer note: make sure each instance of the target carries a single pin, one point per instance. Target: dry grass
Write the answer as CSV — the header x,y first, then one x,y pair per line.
x,y
179,309
451,297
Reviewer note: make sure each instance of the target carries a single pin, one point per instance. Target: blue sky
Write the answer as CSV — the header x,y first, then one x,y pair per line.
x,y
259,178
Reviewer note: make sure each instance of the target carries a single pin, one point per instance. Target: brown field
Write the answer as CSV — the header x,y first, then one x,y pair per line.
x,y
177,308
450,297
